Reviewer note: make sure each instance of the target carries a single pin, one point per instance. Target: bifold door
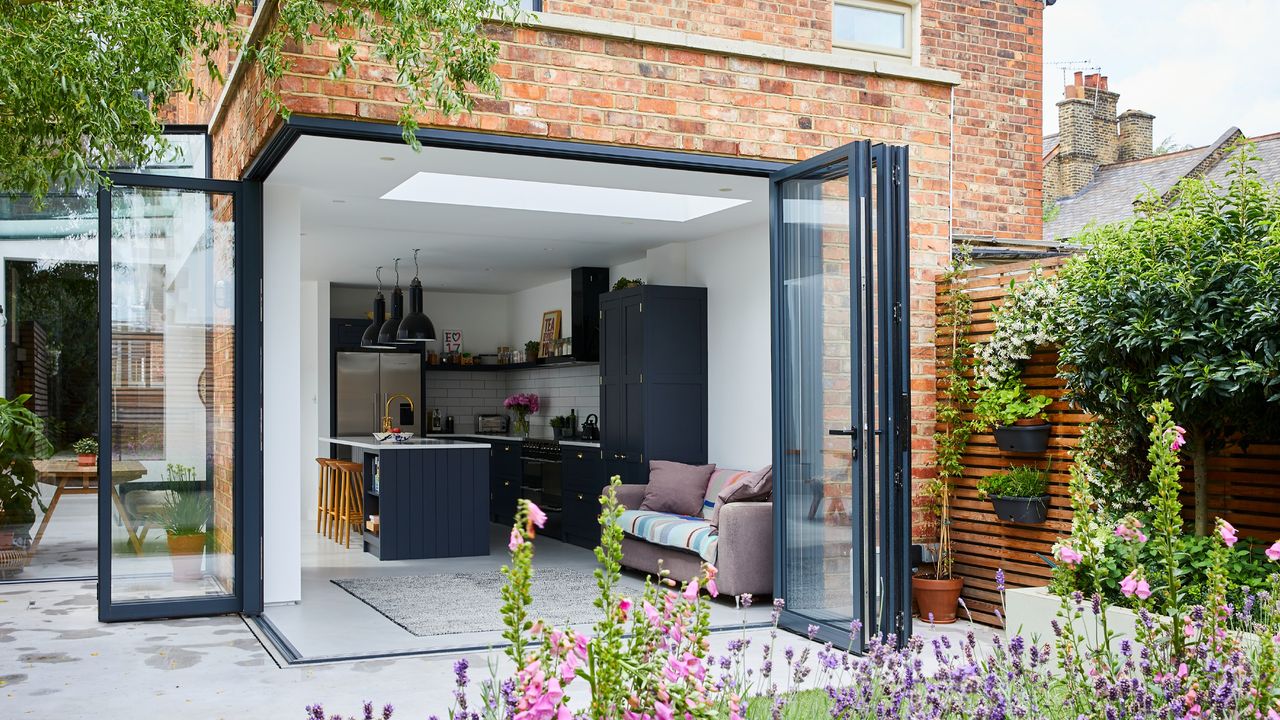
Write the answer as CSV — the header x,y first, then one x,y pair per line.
x,y
172,485
841,405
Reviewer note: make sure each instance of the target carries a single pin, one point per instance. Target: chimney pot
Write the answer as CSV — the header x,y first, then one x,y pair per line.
x,y
1079,77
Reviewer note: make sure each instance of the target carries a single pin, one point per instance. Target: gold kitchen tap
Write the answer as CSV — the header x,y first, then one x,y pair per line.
x,y
386,412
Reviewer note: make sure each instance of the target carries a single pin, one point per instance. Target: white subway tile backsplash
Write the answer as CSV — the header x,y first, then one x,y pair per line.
x,y
560,390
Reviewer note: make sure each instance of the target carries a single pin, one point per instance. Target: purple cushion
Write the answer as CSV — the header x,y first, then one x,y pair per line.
x,y
675,487
756,486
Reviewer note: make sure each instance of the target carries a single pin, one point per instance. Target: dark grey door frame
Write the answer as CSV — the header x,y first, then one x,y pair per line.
x,y
879,388
247,530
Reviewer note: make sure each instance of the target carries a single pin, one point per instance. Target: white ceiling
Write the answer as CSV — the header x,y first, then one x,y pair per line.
x,y
348,229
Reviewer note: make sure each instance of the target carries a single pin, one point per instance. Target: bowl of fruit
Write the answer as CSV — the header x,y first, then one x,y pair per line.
x,y
394,436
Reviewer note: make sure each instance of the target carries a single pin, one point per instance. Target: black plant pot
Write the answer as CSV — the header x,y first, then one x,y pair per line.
x,y
1023,438
1025,510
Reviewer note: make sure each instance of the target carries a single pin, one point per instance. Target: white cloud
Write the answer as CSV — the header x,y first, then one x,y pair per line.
x,y
1199,66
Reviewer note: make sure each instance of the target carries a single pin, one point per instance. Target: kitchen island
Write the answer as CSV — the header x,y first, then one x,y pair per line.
x,y
430,496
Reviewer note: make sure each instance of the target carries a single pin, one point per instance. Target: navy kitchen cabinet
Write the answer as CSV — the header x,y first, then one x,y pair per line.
x,y
505,473
583,475
653,378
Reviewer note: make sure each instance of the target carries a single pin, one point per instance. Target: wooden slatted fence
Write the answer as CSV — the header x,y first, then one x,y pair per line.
x,y
1244,486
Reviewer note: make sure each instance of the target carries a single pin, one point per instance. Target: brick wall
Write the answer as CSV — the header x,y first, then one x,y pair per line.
x,y
804,24
196,110
997,47
570,86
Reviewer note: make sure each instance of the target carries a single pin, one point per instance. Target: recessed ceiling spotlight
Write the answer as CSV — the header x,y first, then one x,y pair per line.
x,y
726,189
488,269
339,201
388,158
546,249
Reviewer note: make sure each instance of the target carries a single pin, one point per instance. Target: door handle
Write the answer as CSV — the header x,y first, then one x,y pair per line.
x,y
851,432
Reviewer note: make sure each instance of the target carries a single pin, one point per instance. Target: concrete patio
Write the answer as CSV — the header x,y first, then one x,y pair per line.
x,y
59,661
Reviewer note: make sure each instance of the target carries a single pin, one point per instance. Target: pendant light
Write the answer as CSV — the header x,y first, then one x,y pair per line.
x,y
416,326
370,337
387,335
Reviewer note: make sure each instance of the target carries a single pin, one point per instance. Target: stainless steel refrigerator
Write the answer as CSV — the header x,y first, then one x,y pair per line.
x,y
365,380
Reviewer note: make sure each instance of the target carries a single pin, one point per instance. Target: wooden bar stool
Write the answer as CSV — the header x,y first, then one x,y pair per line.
x,y
350,499
326,506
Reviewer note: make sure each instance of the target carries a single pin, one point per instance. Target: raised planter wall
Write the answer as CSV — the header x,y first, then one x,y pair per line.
x,y
1242,487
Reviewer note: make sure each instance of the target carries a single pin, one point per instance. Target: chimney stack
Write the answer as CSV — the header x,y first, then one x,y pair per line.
x,y
1090,134
1136,140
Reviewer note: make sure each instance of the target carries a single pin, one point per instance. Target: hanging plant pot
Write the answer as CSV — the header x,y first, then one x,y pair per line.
x,y
936,600
1023,438
1025,510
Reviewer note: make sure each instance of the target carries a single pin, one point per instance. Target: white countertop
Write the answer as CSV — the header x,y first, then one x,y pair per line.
x,y
581,443
366,442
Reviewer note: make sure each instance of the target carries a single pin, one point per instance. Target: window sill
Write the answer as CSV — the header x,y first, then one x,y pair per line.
x,y
838,59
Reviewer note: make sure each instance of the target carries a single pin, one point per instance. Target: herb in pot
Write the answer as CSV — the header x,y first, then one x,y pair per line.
x,y
1023,481
1007,402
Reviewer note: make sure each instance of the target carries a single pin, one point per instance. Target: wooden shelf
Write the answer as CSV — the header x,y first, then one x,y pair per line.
x,y
510,367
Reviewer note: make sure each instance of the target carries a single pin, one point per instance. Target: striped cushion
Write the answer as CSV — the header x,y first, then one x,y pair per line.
x,y
677,531
720,479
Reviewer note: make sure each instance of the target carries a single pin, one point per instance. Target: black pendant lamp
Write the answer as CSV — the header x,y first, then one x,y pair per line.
x,y
416,326
387,335
370,337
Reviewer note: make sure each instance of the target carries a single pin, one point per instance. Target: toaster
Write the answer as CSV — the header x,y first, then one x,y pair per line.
x,y
491,424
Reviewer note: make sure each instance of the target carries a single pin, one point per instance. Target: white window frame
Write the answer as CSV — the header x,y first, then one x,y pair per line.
x,y
908,9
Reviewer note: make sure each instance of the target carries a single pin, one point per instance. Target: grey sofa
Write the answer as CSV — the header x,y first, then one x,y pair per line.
x,y
743,554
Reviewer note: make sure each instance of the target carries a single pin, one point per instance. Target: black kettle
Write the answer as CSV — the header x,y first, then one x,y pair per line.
x,y
591,428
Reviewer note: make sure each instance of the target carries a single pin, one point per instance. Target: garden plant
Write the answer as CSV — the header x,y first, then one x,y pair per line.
x,y
649,657
1182,303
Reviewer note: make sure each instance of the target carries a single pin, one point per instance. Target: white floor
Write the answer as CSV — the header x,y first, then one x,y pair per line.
x,y
330,623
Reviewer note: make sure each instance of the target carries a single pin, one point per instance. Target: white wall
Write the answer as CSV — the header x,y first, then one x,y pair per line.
x,y
282,439
735,270
527,306
314,380
482,317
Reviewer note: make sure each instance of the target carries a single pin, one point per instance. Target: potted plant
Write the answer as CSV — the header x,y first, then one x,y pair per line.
x,y
1016,415
185,514
935,590
1018,494
22,441
531,351
624,282
563,427
86,452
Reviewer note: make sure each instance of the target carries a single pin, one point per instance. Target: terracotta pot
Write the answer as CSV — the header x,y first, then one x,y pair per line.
x,y
86,460
186,552
938,598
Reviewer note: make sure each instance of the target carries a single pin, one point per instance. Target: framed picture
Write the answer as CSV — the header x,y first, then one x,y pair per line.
x,y
550,332
452,341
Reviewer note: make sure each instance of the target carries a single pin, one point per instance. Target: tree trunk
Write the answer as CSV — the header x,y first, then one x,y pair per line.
x,y
1200,471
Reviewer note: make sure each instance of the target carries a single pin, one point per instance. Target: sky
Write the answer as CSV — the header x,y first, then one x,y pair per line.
x,y
1199,66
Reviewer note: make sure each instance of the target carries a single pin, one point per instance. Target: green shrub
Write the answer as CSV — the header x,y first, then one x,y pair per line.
x,y
1181,303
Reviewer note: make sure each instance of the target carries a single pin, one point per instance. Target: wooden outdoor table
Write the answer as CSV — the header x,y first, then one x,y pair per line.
x,y
68,477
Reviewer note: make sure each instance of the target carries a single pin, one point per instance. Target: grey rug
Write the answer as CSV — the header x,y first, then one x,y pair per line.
x,y
450,604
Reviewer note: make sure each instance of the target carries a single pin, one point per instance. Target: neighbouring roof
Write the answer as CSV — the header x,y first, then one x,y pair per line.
x,y
1109,198
1050,142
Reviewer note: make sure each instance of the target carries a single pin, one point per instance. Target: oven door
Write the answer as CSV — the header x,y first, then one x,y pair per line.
x,y
541,484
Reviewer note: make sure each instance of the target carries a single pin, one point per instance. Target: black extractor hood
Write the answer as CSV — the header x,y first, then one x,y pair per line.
x,y
588,284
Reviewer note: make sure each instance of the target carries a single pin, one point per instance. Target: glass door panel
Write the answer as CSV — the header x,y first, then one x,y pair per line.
x,y
169,510
48,316
840,464
821,566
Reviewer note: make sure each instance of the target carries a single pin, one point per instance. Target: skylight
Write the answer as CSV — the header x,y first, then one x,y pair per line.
x,y
491,192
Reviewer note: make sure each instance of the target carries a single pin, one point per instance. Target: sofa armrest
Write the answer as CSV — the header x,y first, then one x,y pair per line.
x,y
630,496
744,555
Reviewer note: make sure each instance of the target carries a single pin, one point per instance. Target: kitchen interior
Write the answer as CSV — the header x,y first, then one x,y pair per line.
x,y
508,272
